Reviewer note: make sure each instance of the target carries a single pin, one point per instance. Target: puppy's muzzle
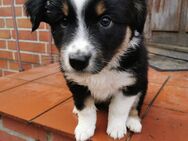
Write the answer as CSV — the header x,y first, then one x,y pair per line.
x,y
79,61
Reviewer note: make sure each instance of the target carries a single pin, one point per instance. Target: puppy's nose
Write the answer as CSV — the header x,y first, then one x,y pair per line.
x,y
79,62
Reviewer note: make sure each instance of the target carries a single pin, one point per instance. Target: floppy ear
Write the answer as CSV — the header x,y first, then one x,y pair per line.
x,y
139,14
36,10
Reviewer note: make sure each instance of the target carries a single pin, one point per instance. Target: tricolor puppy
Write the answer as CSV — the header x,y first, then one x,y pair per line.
x,y
102,56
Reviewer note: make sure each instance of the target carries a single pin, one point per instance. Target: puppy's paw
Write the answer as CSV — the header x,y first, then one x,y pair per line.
x,y
134,124
117,130
83,133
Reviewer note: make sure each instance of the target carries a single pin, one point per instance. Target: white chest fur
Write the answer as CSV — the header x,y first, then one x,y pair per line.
x,y
104,84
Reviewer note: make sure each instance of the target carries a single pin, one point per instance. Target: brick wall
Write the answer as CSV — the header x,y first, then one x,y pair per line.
x,y
35,48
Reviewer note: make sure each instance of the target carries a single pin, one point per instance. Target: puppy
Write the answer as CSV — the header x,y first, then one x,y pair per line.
x,y
102,57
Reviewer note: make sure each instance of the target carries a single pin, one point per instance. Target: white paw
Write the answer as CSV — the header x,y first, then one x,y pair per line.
x,y
134,124
75,111
83,133
117,130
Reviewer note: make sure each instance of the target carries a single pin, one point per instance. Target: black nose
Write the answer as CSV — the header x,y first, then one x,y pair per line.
x,y
79,62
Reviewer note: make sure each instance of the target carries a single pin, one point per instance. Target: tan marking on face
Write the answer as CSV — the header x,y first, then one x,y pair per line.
x,y
100,8
125,44
65,8
119,52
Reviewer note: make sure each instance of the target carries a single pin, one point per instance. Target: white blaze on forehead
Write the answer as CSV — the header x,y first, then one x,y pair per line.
x,y
79,7
79,4
81,33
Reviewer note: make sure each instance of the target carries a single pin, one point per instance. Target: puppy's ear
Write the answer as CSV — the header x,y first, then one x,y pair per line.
x,y
36,10
139,14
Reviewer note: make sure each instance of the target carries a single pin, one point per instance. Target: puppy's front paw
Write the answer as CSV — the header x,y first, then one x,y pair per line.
x,y
116,130
134,124
83,133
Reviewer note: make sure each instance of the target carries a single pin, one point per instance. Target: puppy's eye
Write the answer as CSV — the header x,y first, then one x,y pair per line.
x,y
105,21
64,22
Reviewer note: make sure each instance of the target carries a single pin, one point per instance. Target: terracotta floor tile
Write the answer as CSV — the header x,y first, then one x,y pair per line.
x,y
172,97
7,83
62,119
156,77
177,74
31,99
177,82
59,118
56,80
163,125
153,88
36,72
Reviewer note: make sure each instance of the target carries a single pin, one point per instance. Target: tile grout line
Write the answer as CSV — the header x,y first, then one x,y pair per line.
x,y
54,106
130,134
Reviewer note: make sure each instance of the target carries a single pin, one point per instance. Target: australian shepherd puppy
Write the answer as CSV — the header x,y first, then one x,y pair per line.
x,y
102,56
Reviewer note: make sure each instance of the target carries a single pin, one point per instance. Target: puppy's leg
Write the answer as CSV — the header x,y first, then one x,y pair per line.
x,y
134,121
119,109
86,121
85,109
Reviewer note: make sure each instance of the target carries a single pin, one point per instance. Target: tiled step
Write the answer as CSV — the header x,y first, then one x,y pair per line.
x,y
37,105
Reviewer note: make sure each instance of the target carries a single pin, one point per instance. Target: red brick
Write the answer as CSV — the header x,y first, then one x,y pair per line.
x,y
44,36
20,1
19,11
54,49
26,129
6,54
6,11
46,60
28,46
29,58
5,34
3,64
15,66
58,137
24,23
43,25
7,137
9,23
2,23
6,2
25,35
2,44
21,23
